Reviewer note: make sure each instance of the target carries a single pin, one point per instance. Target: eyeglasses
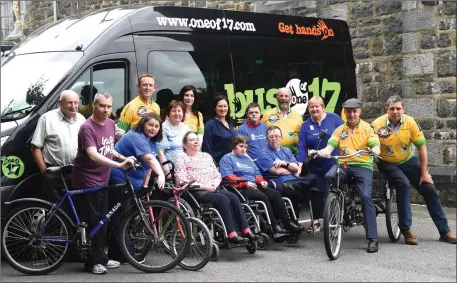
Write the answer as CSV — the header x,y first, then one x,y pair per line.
x,y
273,137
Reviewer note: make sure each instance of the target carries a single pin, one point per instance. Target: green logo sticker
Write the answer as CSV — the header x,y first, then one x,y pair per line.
x,y
12,167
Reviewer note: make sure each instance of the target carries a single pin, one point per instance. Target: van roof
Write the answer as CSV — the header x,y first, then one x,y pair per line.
x,y
79,31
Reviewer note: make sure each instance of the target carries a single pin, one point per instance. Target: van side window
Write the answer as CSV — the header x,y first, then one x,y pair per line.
x,y
108,77
208,72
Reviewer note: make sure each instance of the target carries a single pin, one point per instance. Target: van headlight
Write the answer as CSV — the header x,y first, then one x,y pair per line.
x,y
3,140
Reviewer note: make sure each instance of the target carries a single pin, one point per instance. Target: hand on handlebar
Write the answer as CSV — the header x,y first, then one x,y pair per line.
x,y
312,153
160,181
128,162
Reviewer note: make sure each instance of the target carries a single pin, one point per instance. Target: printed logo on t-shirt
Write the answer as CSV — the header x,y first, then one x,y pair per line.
x,y
141,111
273,118
311,127
108,146
345,151
257,137
291,135
242,166
384,132
404,148
344,135
389,150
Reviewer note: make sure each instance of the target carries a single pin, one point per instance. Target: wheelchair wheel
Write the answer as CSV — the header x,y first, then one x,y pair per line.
x,y
184,206
263,242
201,246
162,249
293,239
215,253
332,225
25,250
251,247
392,215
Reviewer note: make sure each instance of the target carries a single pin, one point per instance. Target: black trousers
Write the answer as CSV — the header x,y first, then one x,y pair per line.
x,y
92,208
273,201
117,195
229,207
297,190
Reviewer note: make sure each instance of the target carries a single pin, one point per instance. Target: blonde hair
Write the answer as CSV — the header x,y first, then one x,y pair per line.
x,y
317,99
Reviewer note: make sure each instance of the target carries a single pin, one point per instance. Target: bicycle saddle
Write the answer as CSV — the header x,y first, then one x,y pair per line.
x,y
59,169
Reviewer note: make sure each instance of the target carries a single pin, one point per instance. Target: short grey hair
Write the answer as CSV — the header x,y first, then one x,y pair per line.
x,y
68,92
393,99
284,89
105,94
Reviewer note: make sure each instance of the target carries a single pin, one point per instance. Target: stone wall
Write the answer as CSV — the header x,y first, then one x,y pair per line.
x,y
401,47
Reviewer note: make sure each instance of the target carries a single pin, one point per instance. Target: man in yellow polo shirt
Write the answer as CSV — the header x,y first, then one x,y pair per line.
x,y
398,133
288,120
135,109
354,135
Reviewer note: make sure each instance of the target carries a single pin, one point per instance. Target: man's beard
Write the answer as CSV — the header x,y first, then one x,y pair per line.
x,y
284,106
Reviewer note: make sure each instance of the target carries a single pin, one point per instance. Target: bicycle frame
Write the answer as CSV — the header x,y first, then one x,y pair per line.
x,y
103,221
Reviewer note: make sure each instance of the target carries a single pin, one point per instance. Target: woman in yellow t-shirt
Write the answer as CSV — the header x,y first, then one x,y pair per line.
x,y
192,117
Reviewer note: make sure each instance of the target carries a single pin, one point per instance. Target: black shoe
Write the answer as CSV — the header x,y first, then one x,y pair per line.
x,y
279,230
372,246
280,237
252,237
294,228
238,240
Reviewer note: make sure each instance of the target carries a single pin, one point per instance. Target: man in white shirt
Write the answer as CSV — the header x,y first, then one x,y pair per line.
x,y
55,141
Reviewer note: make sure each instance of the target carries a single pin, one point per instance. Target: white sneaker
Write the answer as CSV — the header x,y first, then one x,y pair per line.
x,y
111,264
99,269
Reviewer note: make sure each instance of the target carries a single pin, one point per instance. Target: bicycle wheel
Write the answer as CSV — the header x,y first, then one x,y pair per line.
x,y
392,215
332,225
25,250
148,245
184,206
201,245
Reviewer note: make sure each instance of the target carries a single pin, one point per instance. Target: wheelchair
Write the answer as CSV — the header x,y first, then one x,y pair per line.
x,y
213,220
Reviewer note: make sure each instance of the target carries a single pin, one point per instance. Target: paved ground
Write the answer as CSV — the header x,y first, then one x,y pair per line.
x,y
430,261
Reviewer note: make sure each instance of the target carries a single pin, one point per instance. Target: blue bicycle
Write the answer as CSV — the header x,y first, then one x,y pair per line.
x,y
37,234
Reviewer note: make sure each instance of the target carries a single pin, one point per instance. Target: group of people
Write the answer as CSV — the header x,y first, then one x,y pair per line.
x,y
263,158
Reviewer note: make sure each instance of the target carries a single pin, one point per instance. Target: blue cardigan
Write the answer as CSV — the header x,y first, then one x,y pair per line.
x,y
217,140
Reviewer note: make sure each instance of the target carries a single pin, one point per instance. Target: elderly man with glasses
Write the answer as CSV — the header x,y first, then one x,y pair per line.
x,y
279,166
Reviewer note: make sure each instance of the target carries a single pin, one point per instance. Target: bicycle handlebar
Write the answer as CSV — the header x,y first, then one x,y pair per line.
x,y
357,153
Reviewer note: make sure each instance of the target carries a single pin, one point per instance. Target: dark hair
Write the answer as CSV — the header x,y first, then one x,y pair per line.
x,y
85,92
195,105
184,138
218,97
239,139
252,105
144,120
272,128
174,104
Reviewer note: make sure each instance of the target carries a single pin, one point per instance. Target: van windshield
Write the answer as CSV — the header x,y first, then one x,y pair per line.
x,y
28,79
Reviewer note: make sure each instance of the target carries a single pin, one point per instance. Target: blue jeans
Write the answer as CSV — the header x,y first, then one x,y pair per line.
x,y
401,177
364,181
